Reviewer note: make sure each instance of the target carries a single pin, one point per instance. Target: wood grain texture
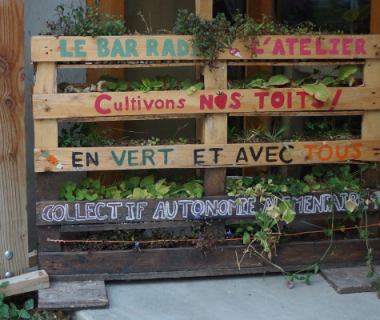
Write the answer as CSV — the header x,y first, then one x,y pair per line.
x,y
48,48
215,129
27,282
349,280
134,212
371,119
82,105
13,215
206,156
133,264
46,131
73,295
204,8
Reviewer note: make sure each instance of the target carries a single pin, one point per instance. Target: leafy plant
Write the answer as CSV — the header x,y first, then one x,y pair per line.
x,y
132,187
212,37
85,135
85,21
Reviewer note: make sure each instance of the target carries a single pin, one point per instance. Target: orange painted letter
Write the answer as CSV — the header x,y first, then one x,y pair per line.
x,y
320,153
345,153
358,152
310,147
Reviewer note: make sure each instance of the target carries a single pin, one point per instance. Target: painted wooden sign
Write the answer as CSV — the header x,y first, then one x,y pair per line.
x,y
118,211
77,105
204,156
171,47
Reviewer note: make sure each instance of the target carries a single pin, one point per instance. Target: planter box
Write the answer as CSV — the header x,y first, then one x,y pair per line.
x,y
172,47
190,262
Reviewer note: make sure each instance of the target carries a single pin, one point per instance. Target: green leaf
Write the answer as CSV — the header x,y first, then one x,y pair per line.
x,y
135,86
147,181
191,90
345,71
112,85
134,181
4,311
29,305
328,81
278,80
162,189
23,314
316,269
139,193
318,170
351,205
319,92
146,83
288,214
157,84
4,284
199,86
316,186
92,197
246,238
70,186
370,274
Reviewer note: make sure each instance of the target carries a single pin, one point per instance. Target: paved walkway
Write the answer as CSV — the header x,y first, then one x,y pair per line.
x,y
230,298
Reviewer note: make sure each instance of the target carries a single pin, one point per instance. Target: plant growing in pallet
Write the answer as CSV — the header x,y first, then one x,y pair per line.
x,y
84,21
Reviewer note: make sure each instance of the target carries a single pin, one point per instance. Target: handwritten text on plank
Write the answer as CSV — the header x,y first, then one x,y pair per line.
x,y
187,209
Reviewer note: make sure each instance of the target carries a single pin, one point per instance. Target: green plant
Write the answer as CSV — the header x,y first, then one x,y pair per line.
x,y
212,37
132,187
12,312
85,21
85,135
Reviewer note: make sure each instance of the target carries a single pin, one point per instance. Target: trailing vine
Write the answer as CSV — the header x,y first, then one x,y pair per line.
x,y
212,37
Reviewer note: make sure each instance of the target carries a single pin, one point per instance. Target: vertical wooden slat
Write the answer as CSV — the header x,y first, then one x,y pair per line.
x,y
371,119
215,129
13,215
204,8
112,7
46,136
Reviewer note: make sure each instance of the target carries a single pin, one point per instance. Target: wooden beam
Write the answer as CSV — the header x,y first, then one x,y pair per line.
x,y
26,283
137,103
73,295
147,212
204,8
174,47
13,214
33,261
205,155
132,264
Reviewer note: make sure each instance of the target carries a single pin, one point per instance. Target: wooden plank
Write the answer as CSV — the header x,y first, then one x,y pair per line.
x,y
33,261
291,256
148,117
215,129
27,282
349,280
371,119
13,214
74,295
205,156
295,63
129,211
46,131
135,65
164,47
82,105
130,226
204,8
297,114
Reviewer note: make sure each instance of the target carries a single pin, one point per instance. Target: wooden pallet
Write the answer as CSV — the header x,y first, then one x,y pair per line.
x,y
55,218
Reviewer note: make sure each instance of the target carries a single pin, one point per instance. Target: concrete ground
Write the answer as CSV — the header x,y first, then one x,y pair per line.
x,y
230,298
